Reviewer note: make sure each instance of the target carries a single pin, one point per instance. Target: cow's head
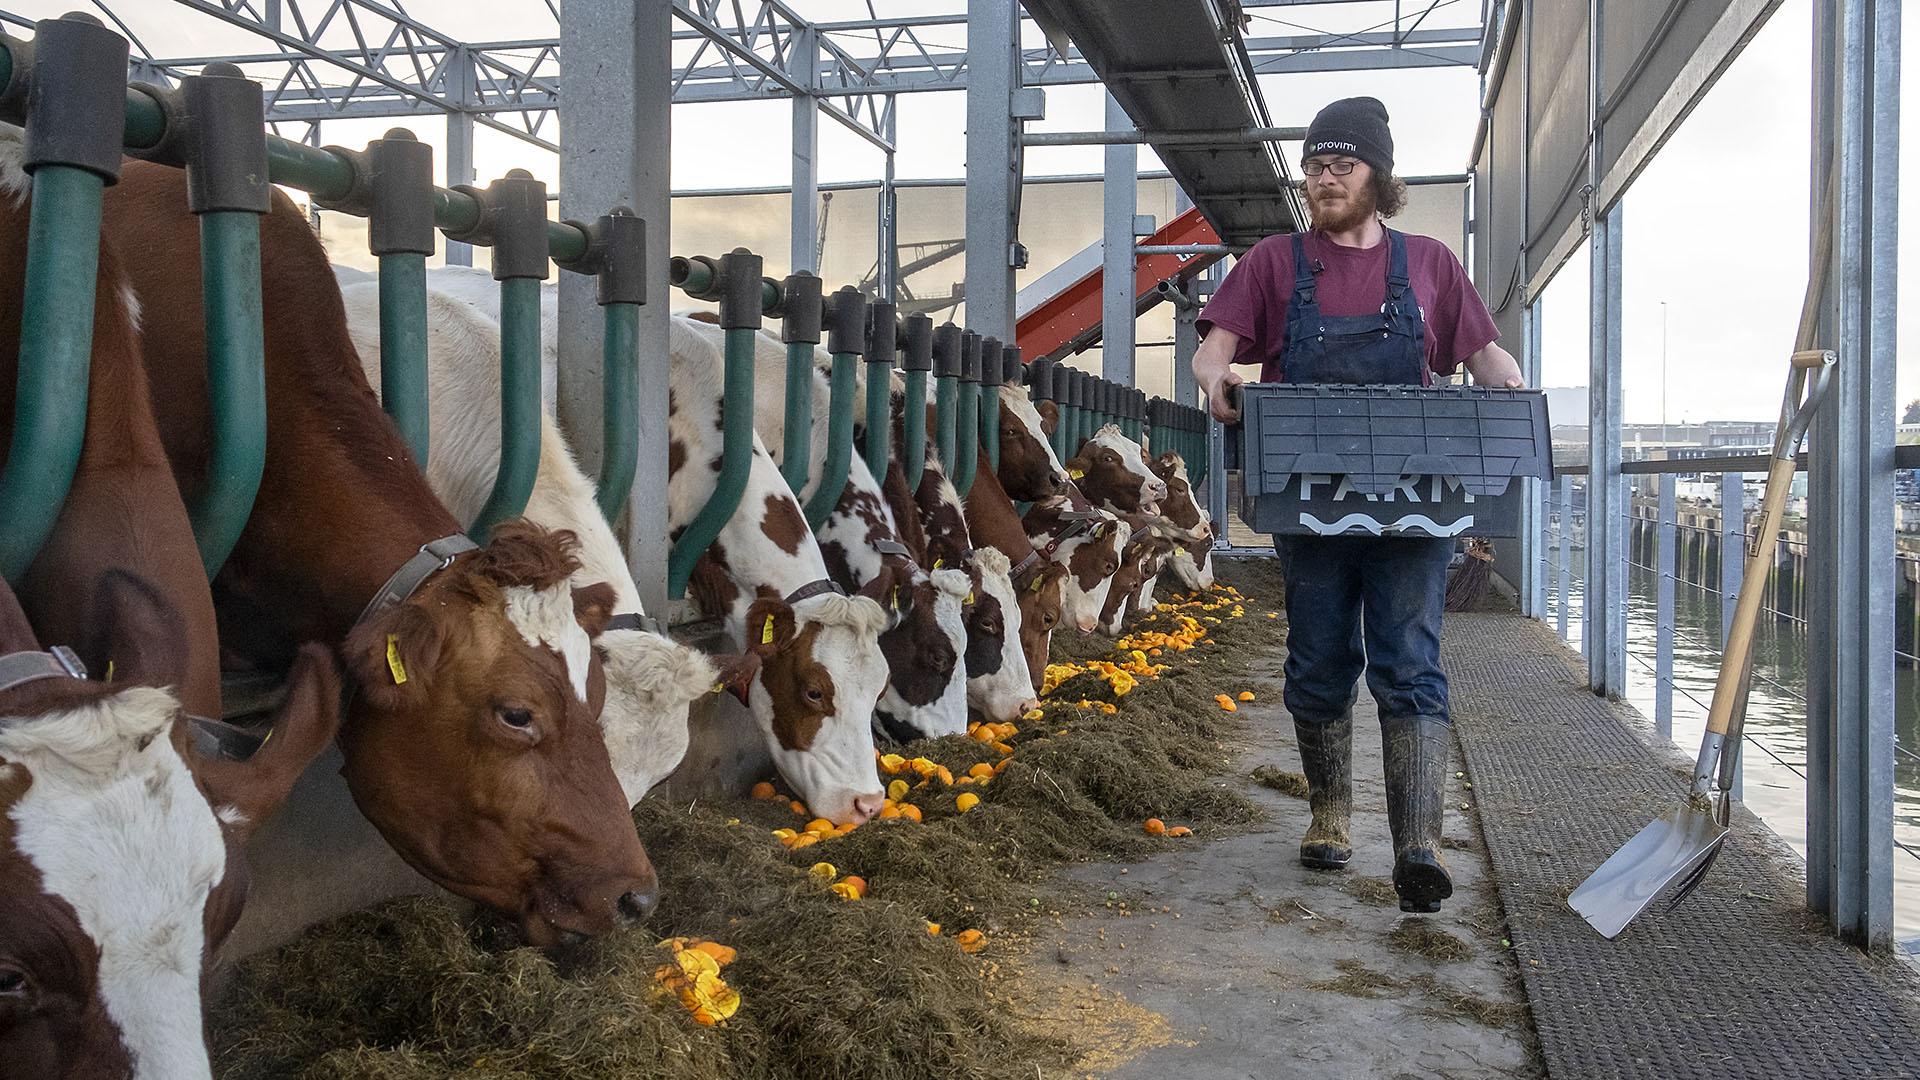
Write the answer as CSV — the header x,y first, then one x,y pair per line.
x,y
1092,558
999,681
1039,591
1193,563
652,682
926,695
473,742
120,847
820,672
1140,562
1111,470
1029,469
1192,530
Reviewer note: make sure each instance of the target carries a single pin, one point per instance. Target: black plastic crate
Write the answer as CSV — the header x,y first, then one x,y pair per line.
x,y
1402,460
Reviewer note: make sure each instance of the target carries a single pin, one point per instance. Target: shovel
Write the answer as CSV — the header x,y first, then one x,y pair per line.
x,y
1681,844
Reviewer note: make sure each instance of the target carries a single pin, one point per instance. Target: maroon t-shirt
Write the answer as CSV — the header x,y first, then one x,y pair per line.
x,y
1252,301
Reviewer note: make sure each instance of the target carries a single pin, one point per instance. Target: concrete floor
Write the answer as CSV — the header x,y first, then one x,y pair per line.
x,y
1229,960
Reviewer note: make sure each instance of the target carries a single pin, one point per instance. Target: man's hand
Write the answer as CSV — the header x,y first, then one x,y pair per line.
x,y
1494,366
1213,370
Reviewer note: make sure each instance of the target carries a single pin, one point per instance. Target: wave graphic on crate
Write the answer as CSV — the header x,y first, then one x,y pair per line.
x,y
1422,522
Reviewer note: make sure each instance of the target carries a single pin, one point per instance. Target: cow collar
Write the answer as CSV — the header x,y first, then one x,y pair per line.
x,y
432,556
58,662
635,621
211,738
1078,521
817,587
1020,572
892,547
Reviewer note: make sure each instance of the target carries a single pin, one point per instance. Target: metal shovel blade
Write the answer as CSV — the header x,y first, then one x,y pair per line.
x,y
1671,845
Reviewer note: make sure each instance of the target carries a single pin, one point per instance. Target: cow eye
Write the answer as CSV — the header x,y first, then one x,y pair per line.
x,y
1047,618
13,983
814,695
1110,569
517,718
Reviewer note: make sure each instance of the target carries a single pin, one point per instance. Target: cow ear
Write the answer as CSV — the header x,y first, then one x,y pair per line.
x,y
391,658
593,607
711,318
139,635
1049,416
303,726
736,673
769,626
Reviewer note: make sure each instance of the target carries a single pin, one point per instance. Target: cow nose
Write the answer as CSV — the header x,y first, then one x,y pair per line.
x,y
1159,489
1088,624
637,906
866,806
1028,705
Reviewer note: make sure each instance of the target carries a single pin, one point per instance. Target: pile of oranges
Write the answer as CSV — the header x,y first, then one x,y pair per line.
x,y
693,978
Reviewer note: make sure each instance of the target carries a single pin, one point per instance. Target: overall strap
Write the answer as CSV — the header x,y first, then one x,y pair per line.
x,y
1302,271
1397,279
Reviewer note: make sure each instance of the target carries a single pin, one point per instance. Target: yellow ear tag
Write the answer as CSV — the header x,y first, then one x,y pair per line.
x,y
393,660
766,632
1037,582
110,676
1077,474
969,597
936,564
717,688
895,603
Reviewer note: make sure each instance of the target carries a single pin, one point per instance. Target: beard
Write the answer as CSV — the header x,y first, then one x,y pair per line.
x,y
1334,213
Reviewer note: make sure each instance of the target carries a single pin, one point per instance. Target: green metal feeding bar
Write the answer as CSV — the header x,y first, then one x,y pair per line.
x,y
71,96
846,340
918,362
514,222
946,393
966,423
400,235
616,256
802,311
883,342
993,366
1060,378
736,282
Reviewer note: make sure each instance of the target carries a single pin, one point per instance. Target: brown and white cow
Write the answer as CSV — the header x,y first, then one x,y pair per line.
x,y
1029,469
1111,471
1035,580
1185,522
1140,562
813,653
1069,530
120,842
472,740
651,679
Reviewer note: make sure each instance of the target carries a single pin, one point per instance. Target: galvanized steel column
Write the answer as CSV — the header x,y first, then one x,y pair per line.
x,y
1120,199
1850,704
1533,505
1604,600
614,153
1663,613
993,172
463,78
805,201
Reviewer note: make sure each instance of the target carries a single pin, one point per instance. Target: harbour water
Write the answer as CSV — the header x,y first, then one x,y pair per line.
x,y
1774,757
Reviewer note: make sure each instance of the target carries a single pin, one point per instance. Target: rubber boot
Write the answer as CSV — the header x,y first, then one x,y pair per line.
x,y
1415,748
1326,757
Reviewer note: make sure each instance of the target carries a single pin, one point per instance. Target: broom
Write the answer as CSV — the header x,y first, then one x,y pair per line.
x,y
1466,582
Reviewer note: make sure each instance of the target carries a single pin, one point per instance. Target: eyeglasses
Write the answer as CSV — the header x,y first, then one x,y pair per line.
x,y
1337,168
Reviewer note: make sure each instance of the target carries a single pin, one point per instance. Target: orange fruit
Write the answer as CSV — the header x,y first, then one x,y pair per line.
x,y
897,790
1003,748
944,774
1179,830
1246,695
764,790
819,825
847,828
910,810
980,770
890,811
933,928
845,891
721,954
1155,826
971,940
804,839
859,883
798,806
967,801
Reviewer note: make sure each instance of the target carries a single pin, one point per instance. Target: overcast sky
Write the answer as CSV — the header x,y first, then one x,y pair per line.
x,y
1715,229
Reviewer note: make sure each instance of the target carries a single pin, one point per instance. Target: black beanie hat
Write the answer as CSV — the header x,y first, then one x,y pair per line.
x,y
1355,126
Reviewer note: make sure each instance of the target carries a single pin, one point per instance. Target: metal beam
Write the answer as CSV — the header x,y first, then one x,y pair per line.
x,y
993,167
1603,610
616,154
1164,138
1119,200
805,201
1850,693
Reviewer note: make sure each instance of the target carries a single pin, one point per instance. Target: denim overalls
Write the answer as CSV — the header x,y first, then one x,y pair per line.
x,y
1399,582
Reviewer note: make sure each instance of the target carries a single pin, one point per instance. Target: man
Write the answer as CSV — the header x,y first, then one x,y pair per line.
x,y
1352,301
